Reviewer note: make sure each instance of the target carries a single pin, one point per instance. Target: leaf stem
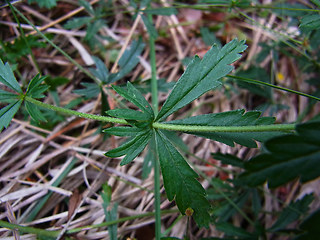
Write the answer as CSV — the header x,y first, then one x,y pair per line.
x,y
155,105
52,234
75,113
273,86
198,128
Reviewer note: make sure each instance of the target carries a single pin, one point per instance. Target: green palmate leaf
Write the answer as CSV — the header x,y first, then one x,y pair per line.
x,y
93,28
77,22
45,3
87,6
13,51
101,72
232,118
34,112
90,90
132,148
202,76
150,28
7,77
310,22
35,89
7,113
128,60
208,37
180,181
134,96
292,213
289,157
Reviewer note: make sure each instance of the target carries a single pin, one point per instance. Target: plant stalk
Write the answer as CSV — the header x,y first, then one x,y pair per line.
x,y
75,113
238,129
155,105
273,86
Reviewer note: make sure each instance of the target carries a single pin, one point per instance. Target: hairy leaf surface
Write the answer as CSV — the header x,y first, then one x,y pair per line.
x,y
128,61
202,76
231,118
180,181
289,157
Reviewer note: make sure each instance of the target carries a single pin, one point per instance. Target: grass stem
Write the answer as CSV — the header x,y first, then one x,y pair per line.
x,y
155,105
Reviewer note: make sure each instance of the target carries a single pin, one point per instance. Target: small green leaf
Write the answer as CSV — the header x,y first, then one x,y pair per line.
x,y
180,181
93,28
288,157
202,76
7,77
34,112
208,37
89,91
7,113
128,60
232,118
77,22
292,213
310,22
150,28
131,148
134,96
44,3
101,71
87,6
128,114
35,89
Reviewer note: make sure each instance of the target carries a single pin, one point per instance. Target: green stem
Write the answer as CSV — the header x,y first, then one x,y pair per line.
x,y
155,105
24,229
52,234
154,83
75,113
207,129
273,86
